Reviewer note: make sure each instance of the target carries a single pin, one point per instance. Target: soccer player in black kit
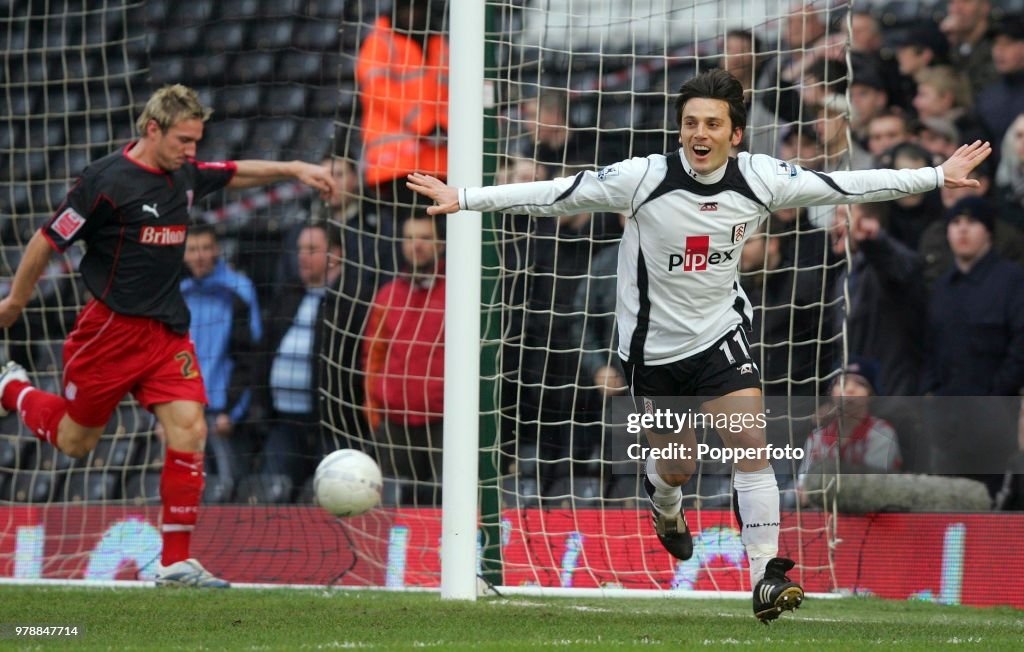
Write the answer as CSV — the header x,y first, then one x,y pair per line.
x,y
681,314
131,209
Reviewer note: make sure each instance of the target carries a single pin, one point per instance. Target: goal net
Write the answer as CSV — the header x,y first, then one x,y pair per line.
x,y
576,85
579,85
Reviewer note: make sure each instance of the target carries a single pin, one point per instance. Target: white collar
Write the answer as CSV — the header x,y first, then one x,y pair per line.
x,y
707,179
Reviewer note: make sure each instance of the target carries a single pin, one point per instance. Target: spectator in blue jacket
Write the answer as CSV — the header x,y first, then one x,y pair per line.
x,y
225,328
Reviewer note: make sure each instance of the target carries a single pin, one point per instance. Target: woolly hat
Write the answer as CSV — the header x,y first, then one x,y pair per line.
x,y
977,209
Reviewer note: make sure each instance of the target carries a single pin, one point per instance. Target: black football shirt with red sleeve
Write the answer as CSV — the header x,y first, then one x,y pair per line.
x,y
133,219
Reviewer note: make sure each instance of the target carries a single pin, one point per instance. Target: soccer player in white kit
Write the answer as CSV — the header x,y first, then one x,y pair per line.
x,y
682,317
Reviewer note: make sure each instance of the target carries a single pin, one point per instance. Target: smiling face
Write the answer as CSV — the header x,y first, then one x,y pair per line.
x,y
707,134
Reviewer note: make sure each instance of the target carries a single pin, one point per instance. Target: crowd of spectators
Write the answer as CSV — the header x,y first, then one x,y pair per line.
x,y
923,290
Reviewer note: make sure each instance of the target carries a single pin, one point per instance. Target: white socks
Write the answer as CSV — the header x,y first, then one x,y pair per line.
x,y
668,500
757,495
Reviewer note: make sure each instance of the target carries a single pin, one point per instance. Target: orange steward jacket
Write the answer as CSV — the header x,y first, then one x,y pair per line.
x,y
404,92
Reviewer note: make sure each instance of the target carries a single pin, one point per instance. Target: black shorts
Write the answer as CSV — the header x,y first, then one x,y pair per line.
x,y
723,368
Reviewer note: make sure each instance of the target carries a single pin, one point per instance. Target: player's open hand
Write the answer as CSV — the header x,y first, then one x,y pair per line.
x,y
959,165
445,197
318,178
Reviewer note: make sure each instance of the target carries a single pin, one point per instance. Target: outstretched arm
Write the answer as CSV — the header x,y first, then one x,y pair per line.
x,y
612,189
804,187
257,173
32,266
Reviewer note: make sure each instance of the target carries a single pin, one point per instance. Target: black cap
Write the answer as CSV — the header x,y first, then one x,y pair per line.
x,y
867,74
975,208
1011,26
867,369
926,35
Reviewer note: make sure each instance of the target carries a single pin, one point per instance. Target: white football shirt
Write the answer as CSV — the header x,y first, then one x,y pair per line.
x,y
678,288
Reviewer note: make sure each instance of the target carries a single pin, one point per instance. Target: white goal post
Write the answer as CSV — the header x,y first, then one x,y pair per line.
x,y
462,309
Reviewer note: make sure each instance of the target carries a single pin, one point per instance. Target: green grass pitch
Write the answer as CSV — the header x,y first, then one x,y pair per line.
x,y
292,619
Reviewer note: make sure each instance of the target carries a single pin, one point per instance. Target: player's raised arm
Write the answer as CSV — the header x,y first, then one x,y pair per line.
x,y
251,173
31,267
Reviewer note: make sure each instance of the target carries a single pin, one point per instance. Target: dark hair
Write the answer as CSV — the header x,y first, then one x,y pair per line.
x,y
715,84
440,223
895,112
876,209
806,135
909,150
199,226
741,33
833,73
331,231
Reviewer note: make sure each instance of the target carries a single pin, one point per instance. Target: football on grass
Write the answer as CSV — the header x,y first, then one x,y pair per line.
x,y
347,483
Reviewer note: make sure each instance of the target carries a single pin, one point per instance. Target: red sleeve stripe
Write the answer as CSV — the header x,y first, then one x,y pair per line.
x,y
230,166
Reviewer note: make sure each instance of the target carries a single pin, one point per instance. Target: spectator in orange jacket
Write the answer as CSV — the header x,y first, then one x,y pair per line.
x,y
402,75
403,355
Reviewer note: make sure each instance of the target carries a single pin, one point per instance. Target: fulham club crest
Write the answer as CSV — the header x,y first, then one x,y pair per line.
x,y
737,232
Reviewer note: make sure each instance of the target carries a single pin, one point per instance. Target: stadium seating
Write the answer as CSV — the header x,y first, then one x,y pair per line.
x,y
519,492
217,490
285,100
12,447
224,37
207,69
626,491
47,458
269,35
306,495
36,487
111,452
264,489
143,488
237,101
577,491
87,485
316,35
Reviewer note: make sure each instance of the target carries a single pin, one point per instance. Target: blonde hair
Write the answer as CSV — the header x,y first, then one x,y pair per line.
x,y
170,105
946,79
